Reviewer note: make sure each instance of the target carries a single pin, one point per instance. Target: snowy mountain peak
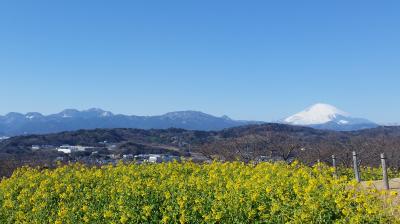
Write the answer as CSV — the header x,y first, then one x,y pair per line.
x,y
188,114
33,115
325,116
319,113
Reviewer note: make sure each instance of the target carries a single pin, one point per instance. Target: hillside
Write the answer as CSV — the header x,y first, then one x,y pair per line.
x,y
253,142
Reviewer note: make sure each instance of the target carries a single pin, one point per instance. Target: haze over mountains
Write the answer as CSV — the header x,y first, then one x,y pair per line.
x,y
319,116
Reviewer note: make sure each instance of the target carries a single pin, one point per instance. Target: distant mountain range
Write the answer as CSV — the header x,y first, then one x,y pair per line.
x,y
14,124
325,116
318,116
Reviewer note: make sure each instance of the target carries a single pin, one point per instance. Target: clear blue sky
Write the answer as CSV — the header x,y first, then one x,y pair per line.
x,y
259,60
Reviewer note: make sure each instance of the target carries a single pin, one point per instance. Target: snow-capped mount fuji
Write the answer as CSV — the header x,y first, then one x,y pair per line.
x,y
325,116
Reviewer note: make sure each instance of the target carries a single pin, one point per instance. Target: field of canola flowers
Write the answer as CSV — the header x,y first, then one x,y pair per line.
x,y
190,193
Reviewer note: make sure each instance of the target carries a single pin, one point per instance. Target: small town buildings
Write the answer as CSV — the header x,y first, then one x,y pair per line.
x,y
114,156
37,147
3,138
69,148
128,156
155,158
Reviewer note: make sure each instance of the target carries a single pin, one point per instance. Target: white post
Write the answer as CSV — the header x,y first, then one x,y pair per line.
x,y
334,165
384,172
355,166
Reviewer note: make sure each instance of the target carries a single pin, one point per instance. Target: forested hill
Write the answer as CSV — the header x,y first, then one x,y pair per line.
x,y
243,143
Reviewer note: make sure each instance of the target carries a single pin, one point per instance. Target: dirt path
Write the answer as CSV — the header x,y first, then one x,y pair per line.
x,y
394,184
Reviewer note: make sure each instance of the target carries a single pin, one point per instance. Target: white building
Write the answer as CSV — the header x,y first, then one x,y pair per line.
x,y
70,148
3,138
67,151
155,158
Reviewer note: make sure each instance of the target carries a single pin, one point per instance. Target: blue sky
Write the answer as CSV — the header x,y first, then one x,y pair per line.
x,y
259,60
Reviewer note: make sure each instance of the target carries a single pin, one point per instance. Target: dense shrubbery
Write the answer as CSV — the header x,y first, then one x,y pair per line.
x,y
190,193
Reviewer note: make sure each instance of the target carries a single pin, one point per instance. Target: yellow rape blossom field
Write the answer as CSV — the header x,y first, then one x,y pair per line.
x,y
190,193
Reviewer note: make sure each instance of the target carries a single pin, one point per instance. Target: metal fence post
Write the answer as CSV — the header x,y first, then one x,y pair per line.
x,y
355,165
334,166
384,171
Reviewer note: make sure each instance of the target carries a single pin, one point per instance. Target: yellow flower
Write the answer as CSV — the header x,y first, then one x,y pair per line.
x,y
108,214
85,208
165,219
124,219
147,210
85,219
